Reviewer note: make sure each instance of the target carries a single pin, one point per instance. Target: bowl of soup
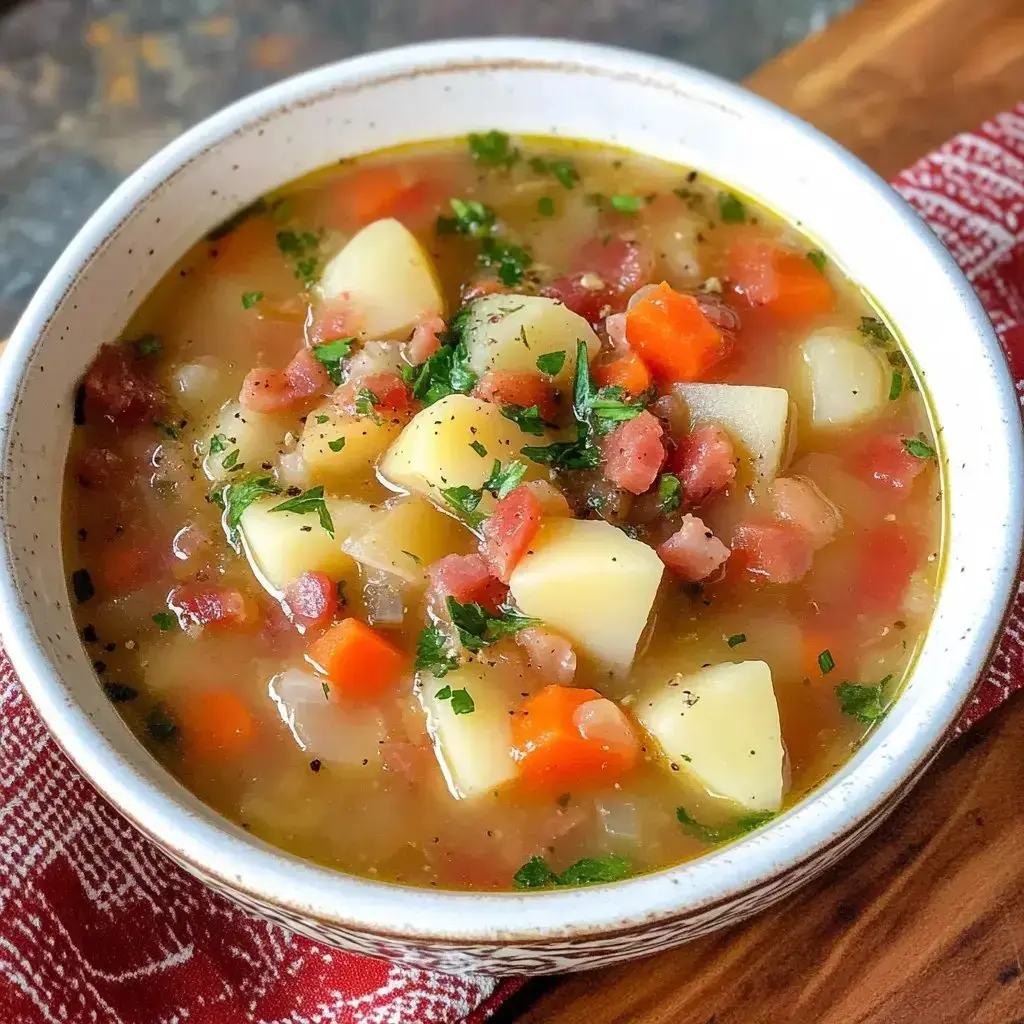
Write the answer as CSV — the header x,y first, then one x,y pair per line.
x,y
507,505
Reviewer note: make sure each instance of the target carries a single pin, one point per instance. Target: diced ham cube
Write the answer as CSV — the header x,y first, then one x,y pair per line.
x,y
798,501
332,320
772,551
509,531
705,463
468,579
888,555
118,388
634,453
424,341
693,552
884,462
389,393
312,599
550,655
268,390
200,604
509,387
607,272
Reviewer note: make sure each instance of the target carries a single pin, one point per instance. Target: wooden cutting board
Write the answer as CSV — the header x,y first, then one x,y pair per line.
x,y
924,923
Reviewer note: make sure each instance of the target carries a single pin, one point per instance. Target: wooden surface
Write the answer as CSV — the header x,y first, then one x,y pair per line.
x,y
924,923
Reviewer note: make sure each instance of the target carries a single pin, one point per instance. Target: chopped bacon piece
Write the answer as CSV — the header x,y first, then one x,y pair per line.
x,y
118,387
509,387
551,656
468,579
201,604
268,390
634,453
705,463
884,462
389,393
333,319
510,530
607,273
774,552
693,552
424,342
799,501
312,599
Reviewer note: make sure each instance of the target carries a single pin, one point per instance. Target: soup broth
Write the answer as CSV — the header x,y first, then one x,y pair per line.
x,y
503,513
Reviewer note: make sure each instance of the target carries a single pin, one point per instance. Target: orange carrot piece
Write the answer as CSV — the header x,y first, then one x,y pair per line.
x,y
378,192
785,282
628,372
672,336
570,736
356,658
216,724
234,252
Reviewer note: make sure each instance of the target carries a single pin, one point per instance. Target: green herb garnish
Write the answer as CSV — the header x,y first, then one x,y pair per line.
x,y
895,386
819,259
536,873
826,662
230,461
563,170
528,419
82,586
478,628
471,218
462,702
510,260
337,444
432,654
322,418
249,299
626,204
546,206
492,149
736,639
165,621
237,497
865,703
872,327
167,429
724,833
464,502
329,355
505,479
479,449
670,493
309,501
730,209
160,725
149,345
919,448
302,248
444,373
218,443
551,363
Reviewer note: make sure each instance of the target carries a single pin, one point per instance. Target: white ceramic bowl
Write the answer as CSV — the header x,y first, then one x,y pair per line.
x,y
522,86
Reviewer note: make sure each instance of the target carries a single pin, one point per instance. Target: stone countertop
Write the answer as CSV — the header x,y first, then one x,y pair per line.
x,y
90,88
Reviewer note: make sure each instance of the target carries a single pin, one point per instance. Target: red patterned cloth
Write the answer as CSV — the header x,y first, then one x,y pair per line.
x,y
96,925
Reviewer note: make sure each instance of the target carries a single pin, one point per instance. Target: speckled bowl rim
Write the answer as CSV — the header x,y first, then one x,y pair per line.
x,y
879,773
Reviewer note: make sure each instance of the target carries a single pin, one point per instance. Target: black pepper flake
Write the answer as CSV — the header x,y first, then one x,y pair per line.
x,y
118,693
100,667
315,765
81,584
89,634
110,647
293,491
83,534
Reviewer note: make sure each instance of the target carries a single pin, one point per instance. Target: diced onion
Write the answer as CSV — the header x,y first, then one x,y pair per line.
x,y
198,384
384,597
292,470
618,818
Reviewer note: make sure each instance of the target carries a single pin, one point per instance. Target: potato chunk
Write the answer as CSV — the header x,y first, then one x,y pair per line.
x,y
509,332
719,726
435,451
364,439
407,536
755,417
474,750
281,546
588,580
846,379
387,278
256,437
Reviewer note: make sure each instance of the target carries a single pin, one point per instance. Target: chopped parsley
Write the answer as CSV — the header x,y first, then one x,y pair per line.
x,y
464,502
723,833
819,259
528,419
895,386
536,873
82,586
471,218
237,497
670,493
160,725
302,248
218,443
919,448
444,373
551,363
479,449
505,479
149,345
546,206
322,418
478,628
492,149
167,429
327,690
119,693
826,662
432,654
310,501
461,700
366,404
731,209
872,327
510,260
165,621
562,170
865,703
337,444
626,204
330,355
249,299
736,639
230,461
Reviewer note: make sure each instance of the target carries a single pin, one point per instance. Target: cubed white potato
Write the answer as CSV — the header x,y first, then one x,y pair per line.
x,y
588,580
509,332
281,546
365,438
406,536
256,436
435,452
755,417
719,727
473,750
387,278
375,357
846,380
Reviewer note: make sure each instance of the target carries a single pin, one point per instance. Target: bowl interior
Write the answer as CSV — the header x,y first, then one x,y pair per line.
x,y
522,87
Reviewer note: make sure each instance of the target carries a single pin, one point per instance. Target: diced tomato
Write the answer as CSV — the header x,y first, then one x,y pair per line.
x,y
118,388
888,556
568,737
389,393
551,656
798,501
359,660
884,462
126,567
202,604
312,599
467,578
510,530
673,336
634,453
268,390
705,463
333,319
693,552
785,282
607,272
508,387
424,341
773,552
216,724
627,371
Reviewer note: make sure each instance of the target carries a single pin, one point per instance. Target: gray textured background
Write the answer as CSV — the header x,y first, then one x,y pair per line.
x,y
90,88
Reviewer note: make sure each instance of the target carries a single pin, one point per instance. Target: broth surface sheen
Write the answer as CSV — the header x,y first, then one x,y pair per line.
x,y
503,513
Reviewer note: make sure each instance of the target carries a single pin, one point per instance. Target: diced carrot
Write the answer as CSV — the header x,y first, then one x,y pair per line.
x,y
377,192
125,568
232,254
628,372
783,281
356,658
568,736
216,724
673,337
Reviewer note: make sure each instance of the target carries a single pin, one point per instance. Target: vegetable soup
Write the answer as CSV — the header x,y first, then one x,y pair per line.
x,y
503,513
